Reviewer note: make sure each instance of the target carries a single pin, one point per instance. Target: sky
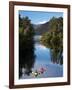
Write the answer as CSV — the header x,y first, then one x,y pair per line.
x,y
40,17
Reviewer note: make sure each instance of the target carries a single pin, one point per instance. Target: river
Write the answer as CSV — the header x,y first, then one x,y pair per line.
x,y
43,62
42,54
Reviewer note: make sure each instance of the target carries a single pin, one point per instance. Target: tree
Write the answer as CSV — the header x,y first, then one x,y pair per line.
x,y
20,21
26,46
54,39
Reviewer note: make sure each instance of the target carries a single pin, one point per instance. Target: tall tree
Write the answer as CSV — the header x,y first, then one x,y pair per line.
x,y
54,39
26,46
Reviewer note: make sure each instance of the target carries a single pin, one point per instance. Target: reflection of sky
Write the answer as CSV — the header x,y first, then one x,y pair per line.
x,y
42,54
40,17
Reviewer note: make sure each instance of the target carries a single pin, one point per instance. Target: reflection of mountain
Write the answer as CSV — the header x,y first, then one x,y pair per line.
x,y
41,28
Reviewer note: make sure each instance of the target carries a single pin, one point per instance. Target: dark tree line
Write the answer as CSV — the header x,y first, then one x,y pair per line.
x,y
54,39
26,45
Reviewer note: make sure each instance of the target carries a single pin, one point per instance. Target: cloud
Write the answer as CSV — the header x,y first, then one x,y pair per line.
x,y
42,22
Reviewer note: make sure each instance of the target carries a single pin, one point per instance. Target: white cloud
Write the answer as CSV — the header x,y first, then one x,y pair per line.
x,y
42,22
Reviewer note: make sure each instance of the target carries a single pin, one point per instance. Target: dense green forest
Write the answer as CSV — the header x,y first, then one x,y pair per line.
x,y
54,39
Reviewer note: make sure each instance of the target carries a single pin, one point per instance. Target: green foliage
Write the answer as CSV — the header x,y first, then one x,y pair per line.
x,y
26,46
46,39
56,24
20,21
54,39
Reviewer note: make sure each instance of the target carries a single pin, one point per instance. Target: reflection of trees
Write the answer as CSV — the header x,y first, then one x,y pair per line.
x,y
26,45
54,40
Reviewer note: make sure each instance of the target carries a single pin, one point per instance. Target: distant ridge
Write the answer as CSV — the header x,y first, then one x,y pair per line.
x,y
41,28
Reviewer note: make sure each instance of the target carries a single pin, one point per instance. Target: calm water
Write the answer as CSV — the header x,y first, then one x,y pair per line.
x,y
42,54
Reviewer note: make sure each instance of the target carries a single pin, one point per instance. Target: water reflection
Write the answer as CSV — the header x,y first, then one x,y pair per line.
x,y
42,54
43,66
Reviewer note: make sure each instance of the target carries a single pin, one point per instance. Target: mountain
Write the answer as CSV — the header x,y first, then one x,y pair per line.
x,y
53,24
41,28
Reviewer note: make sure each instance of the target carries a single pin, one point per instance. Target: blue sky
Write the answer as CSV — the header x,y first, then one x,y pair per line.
x,y
38,17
